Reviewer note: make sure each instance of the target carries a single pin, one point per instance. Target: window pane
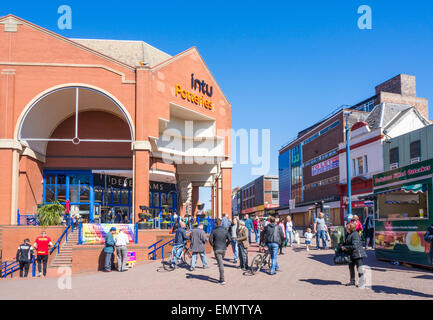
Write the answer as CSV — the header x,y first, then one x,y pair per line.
x,y
163,199
98,194
360,165
393,155
365,164
61,193
415,149
156,199
84,194
49,193
116,196
124,196
402,205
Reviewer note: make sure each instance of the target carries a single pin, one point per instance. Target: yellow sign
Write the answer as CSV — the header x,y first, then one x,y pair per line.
x,y
193,98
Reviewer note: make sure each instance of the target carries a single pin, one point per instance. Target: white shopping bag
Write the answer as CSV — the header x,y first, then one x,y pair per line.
x,y
297,238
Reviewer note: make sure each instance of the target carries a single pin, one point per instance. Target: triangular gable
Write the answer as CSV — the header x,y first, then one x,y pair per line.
x,y
8,18
181,55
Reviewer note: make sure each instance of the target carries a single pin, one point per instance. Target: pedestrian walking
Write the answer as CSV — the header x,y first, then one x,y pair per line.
x,y
320,229
42,245
198,242
369,230
234,229
272,237
256,226
308,237
109,250
24,257
353,246
289,231
283,228
243,246
249,225
219,239
121,243
225,222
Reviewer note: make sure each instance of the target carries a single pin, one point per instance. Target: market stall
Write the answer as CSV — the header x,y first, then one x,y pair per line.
x,y
402,213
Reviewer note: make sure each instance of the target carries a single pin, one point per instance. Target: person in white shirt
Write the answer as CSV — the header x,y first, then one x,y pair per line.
x,y
121,242
308,236
289,231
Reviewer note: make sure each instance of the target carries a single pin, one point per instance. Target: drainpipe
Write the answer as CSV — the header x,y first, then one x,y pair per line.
x,y
349,183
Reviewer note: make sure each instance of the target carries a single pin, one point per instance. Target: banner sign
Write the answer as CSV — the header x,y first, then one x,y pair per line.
x,y
131,256
324,166
412,171
94,233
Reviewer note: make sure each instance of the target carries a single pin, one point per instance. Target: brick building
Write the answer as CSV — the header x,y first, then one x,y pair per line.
x,y
107,123
309,165
260,196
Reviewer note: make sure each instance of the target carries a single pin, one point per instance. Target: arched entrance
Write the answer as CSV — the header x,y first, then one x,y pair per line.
x,y
83,138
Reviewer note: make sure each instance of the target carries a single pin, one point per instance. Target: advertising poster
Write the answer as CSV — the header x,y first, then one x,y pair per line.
x,y
94,233
325,166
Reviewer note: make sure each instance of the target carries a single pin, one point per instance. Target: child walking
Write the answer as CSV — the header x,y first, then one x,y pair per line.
x,y
308,236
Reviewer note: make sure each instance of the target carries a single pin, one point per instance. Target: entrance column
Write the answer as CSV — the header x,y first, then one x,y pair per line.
x,y
141,181
194,201
226,174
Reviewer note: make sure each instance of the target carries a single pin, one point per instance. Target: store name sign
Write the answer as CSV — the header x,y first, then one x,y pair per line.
x,y
197,85
401,174
325,166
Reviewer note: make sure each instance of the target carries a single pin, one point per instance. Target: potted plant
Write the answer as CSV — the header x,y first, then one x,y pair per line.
x,y
50,214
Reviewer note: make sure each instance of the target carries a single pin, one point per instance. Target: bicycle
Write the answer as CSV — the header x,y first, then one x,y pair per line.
x,y
260,261
184,257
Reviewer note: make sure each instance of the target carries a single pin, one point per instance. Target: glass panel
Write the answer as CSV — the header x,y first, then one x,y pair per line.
x,y
50,179
150,199
61,179
403,205
49,193
124,196
79,179
170,200
155,199
116,196
163,199
98,194
84,194
73,194
107,196
61,193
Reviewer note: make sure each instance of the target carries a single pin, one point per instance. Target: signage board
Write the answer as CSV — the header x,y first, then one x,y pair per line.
x,y
325,166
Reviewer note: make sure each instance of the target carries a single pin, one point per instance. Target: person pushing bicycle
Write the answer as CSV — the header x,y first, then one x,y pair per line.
x,y
180,240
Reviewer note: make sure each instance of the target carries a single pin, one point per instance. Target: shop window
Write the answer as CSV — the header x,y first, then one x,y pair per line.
x,y
98,194
404,204
84,194
274,195
163,199
124,196
49,193
116,196
170,200
61,193
156,199
150,199
107,196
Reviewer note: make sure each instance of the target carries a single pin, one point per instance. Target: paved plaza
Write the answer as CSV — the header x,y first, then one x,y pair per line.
x,y
304,275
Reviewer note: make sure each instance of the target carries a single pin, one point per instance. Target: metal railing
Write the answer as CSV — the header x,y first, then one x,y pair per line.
x,y
9,267
64,233
26,219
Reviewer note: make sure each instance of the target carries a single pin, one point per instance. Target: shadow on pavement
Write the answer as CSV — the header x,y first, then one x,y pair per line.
x,y
201,277
425,276
322,282
391,290
324,258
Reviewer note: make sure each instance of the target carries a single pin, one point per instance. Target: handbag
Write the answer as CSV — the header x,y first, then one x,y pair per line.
x,y
341,257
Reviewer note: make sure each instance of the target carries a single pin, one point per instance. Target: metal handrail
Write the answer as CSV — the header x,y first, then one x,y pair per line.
x,y
58,242
154,251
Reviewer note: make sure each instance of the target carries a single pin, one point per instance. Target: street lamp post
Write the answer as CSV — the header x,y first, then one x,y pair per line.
x,y
349,187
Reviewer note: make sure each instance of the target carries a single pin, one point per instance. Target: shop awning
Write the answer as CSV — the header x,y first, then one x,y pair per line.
x,y
415,188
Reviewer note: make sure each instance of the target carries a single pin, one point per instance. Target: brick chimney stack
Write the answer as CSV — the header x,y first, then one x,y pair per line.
x,y
402,89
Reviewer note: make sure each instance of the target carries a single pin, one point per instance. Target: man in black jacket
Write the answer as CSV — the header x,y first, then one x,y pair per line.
x,y
24,257
273,236
219,239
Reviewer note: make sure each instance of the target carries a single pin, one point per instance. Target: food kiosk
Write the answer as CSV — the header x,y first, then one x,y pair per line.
x,y
402,213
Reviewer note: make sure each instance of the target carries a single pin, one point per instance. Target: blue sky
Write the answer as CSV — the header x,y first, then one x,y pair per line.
x,y
282,64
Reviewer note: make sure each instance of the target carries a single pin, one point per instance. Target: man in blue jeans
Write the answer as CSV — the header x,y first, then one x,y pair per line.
x,y
249,225
273,236
320,230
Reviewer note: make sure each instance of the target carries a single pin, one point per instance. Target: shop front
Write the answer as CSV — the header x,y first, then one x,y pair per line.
x,y
403,205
